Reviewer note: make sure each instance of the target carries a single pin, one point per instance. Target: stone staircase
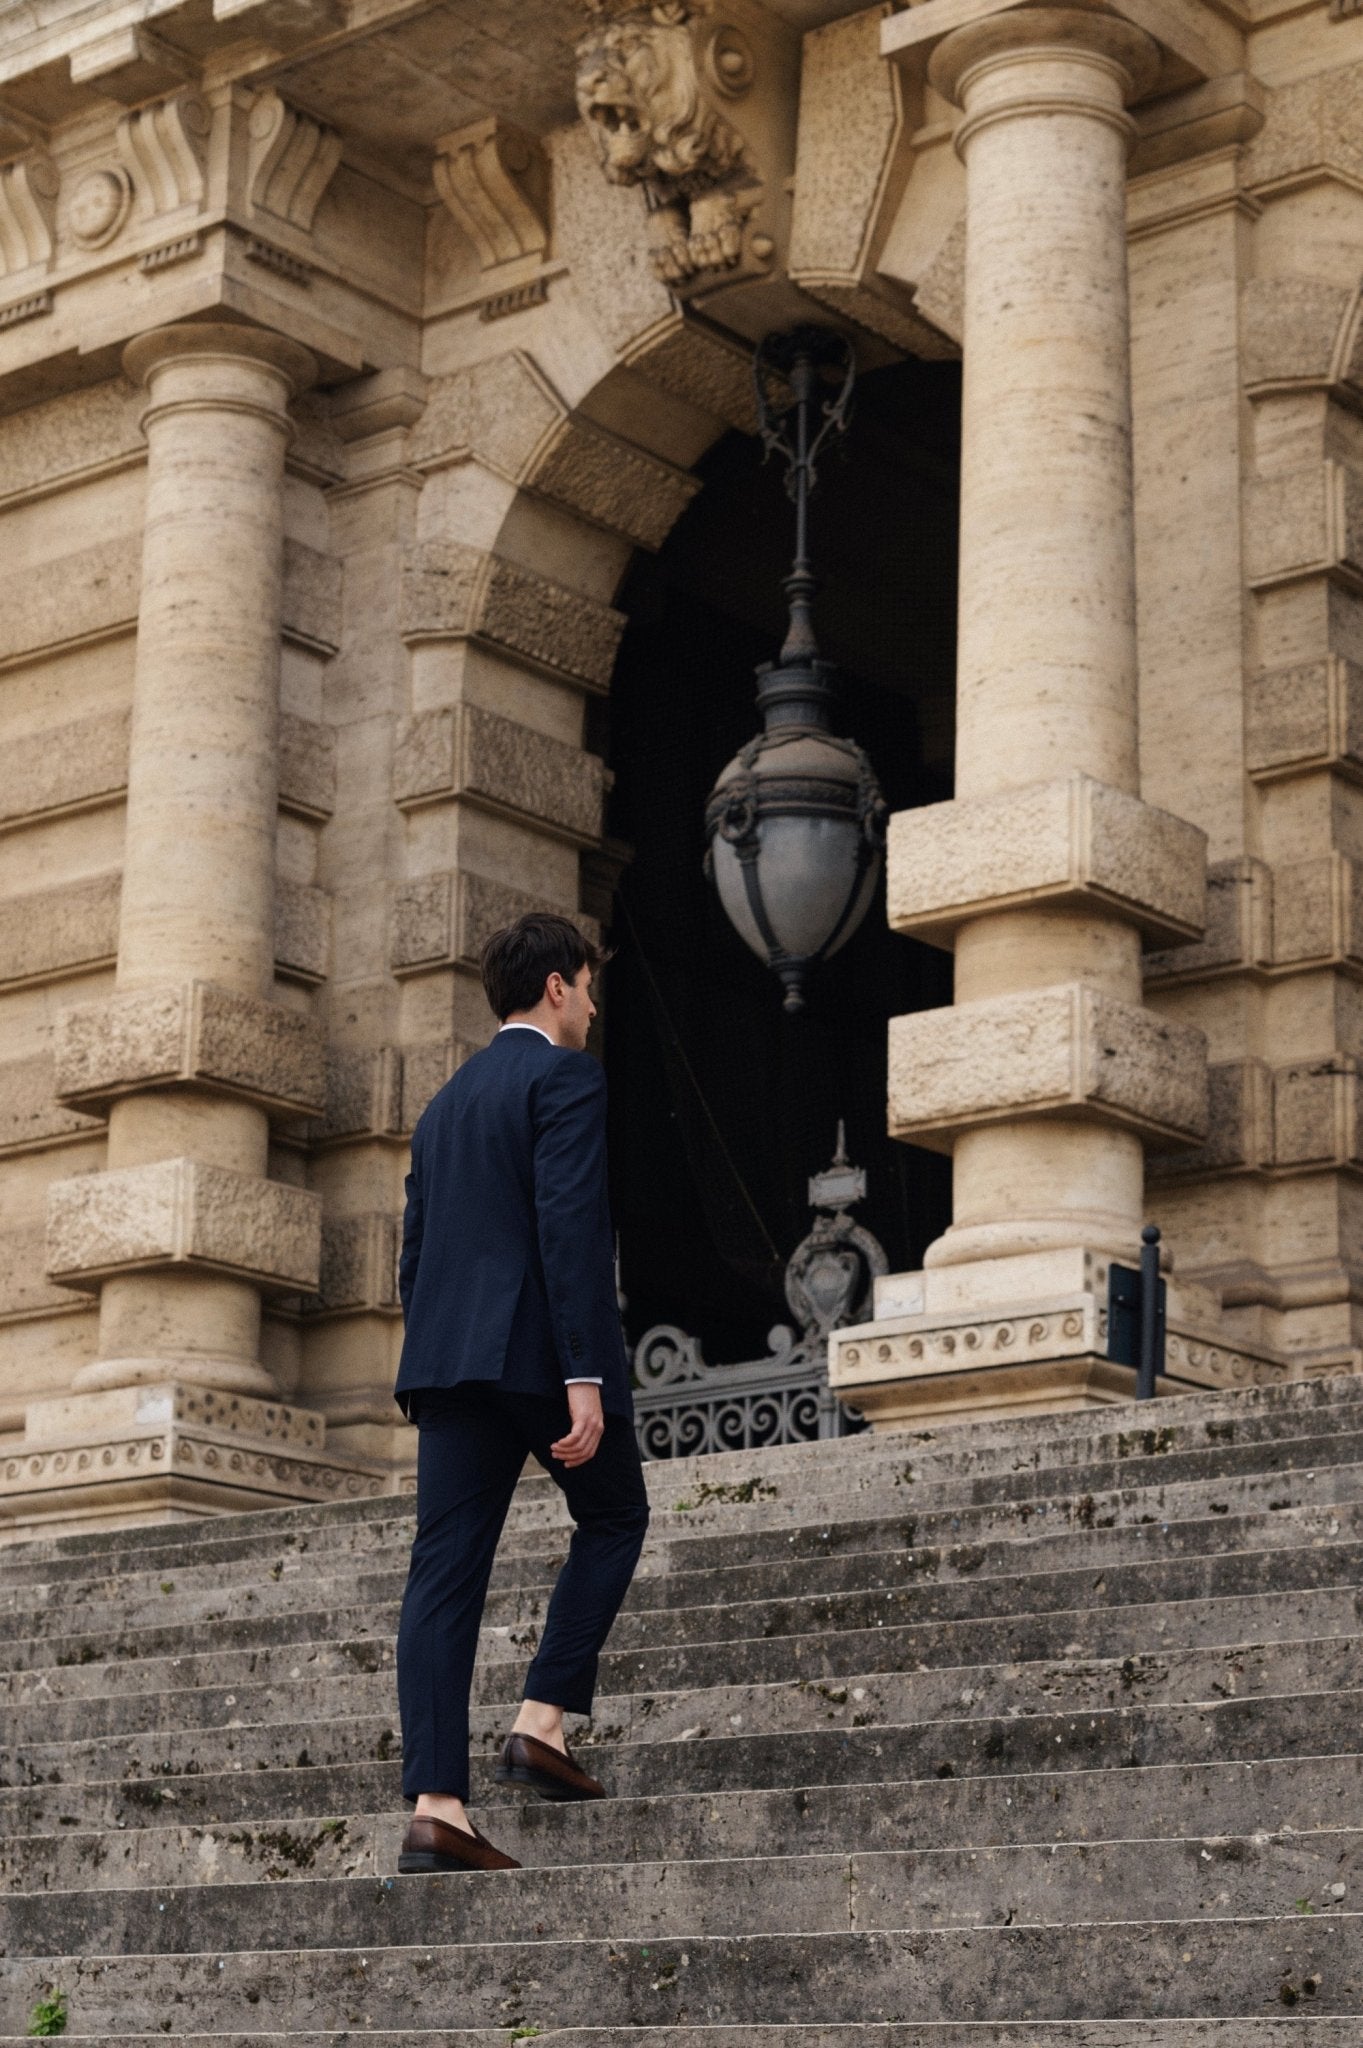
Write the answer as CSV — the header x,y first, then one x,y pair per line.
x,y
1045,1732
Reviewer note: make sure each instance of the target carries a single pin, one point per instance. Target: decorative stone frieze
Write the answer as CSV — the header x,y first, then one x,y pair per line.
x,y
852,165
292,161
465,751
302,930
30,1113
494,181
1072,842
47,933
307,767
80,596
28,214
359,1263
165,148
1307,522
443,919
452,591
233,1415
65,768
1305,718
191,1033
1044,1052
180,1212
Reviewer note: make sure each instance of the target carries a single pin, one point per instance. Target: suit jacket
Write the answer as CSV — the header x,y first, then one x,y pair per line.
x,y
508,1258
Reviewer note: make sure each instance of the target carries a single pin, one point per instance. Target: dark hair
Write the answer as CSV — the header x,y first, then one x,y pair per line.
x,y
518,960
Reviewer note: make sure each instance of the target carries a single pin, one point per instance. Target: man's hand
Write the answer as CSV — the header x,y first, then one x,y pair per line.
x,y
589,1423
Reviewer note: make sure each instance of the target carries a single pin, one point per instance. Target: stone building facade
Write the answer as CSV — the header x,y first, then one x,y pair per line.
x,y
350,351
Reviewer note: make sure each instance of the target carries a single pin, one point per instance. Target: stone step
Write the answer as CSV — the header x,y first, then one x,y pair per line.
x,y
704,1759
1134,1451
1166,1969
1087,1633
521,1588
672,1572
1303,2030
349,1822
1074,1543
519,1612
857,1699
1192,1878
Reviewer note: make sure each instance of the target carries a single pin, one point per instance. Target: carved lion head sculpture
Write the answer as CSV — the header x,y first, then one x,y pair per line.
x,y
639,90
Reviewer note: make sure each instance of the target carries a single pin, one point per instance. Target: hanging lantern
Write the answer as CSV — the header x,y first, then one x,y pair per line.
x,y
795,825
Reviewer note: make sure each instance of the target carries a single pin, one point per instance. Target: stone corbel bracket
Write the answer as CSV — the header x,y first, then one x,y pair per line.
x,y
855,154
28,215
494,181
165,149
292,160
196,1034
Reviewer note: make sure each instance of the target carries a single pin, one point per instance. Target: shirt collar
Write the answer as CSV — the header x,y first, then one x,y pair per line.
x,y
525,1027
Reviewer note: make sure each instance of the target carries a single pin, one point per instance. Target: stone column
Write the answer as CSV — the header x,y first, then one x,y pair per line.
x,y
1044,872
192,1053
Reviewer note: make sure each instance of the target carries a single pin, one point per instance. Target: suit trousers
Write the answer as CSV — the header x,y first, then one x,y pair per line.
x,y
474,1442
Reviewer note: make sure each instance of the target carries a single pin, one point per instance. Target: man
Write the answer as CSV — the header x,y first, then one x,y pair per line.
x,y
513,1348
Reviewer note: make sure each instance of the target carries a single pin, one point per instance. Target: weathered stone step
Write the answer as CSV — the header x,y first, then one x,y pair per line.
x,y
720,1760
1238,2032
1173,1580
523,1585
1160,1969
349,1822
858,1699
1071,1542
539,1502
1244,1416
1194,1878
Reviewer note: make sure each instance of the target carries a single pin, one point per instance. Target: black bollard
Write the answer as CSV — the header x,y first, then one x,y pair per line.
x,y
1152,1316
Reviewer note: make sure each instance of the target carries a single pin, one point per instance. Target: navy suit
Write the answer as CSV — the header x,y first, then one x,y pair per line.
x,y
508,1262
507,1281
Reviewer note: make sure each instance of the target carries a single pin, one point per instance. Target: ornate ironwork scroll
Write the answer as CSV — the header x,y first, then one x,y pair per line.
x,y
683,1405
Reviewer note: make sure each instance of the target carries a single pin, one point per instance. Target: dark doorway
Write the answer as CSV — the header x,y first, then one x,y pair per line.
x,y
721,1105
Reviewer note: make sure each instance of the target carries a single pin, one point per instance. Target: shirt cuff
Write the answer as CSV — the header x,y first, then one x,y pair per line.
x,y
581,1380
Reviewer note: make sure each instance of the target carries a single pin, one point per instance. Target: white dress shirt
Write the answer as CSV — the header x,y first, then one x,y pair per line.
x,y
579,1379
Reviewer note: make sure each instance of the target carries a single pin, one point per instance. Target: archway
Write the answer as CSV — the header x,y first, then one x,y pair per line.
x,y
722,1106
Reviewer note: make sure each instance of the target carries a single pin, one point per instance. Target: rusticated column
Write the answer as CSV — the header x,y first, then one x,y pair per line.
x,y
192,1053
1047,1073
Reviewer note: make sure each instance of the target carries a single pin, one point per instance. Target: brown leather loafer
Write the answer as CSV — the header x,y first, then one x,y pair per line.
x,y
545,1770
434,1845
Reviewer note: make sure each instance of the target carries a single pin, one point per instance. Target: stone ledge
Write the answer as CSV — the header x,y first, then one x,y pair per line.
x,y
359,1263
443,920
179,1212
1304,1116
1239,929
452,591
1044,1052
79,596
302,931
25,1291
194,1032
465,751
70,1417
1074,841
